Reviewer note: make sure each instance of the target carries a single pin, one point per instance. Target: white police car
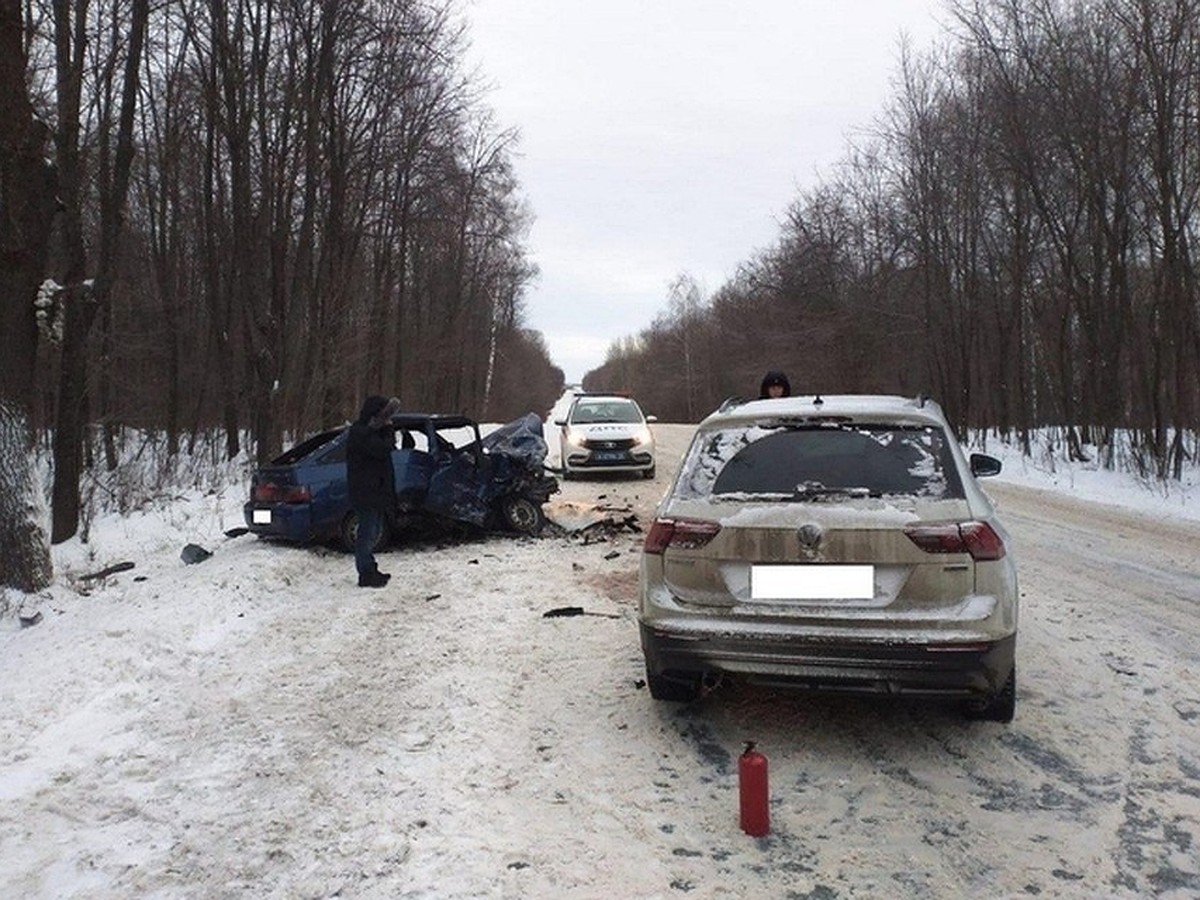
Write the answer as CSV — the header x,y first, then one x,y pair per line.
x,y
605,433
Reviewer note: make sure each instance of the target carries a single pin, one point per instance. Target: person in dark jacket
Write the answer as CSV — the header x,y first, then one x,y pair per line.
x,y
370,481
774,384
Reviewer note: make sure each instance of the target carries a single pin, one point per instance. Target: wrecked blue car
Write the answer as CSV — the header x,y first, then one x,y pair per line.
x,y
448,478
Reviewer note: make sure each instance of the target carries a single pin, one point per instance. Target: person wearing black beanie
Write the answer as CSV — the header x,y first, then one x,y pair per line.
x,y
774,384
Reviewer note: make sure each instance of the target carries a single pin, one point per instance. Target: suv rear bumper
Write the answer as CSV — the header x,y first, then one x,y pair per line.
x,y
862,667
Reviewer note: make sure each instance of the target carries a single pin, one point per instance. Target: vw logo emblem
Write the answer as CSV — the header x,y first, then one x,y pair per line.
x,y
810,536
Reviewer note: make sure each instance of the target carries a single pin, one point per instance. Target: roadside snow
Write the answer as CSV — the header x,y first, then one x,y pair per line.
x,y
1092,482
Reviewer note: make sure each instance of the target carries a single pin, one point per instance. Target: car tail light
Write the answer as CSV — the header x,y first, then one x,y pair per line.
x,y
269,492
977,538
685,534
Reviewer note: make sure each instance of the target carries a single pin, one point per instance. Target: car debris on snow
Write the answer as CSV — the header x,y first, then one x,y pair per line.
x,y
565,611
194,553
108,570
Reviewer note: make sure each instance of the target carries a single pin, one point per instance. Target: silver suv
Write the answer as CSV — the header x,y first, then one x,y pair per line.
x,y
831,543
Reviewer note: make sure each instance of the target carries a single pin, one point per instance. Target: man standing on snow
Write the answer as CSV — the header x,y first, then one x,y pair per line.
x,y
370,481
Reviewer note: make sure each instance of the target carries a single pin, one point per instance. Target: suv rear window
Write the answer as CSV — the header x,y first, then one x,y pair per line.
x,y
807,463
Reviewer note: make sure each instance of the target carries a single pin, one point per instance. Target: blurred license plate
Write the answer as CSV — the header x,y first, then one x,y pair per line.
x,y
608,456
816,582
262,517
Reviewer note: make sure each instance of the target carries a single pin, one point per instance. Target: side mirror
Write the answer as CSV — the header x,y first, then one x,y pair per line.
x,y
651,418
983,465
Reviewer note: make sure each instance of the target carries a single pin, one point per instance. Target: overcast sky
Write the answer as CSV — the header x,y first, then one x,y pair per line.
x,y
668,136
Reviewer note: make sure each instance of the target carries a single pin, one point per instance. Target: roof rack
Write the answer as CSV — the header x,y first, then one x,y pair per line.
x,y
729,403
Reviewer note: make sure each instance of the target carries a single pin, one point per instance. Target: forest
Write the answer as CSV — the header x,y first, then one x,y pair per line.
x,y
263,211
226,221
1015,235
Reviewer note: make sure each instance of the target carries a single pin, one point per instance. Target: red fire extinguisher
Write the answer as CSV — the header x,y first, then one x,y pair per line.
x,y
752,791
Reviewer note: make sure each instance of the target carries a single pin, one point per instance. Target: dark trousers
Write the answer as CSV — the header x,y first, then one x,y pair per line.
x,y
369,522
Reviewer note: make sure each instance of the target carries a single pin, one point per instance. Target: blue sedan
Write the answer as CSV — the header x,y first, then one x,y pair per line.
x,y
444,473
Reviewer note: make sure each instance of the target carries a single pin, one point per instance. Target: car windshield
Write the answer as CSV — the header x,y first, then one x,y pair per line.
x,y
593,412
806,463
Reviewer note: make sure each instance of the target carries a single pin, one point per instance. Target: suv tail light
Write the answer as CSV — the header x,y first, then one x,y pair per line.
x,y
269,492
686,534
977,538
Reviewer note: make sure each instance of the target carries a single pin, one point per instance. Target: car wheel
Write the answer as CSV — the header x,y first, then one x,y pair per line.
x,y
349,533
999,708
648,473
523,515
672,690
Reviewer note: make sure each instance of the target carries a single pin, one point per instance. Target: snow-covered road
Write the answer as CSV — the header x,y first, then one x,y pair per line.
x,y
254,726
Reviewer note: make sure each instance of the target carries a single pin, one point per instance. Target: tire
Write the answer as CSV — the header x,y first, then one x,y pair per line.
x,y
1001,707
648,473
348,533
671,690
523,515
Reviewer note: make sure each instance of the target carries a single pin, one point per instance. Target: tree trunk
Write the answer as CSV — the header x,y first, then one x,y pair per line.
x,y
27,206
70,423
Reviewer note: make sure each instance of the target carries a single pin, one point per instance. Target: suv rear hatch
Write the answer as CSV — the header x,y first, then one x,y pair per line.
x,y
840,523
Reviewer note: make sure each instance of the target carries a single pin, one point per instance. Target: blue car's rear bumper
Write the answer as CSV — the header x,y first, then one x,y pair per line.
x,y
283,521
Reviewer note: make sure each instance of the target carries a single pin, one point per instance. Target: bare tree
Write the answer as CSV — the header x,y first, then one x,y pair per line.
x,y
320,204
1166,40
1019,238
27,206
114,164
685,307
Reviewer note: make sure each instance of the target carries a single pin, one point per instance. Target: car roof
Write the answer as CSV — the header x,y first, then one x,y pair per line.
x,y
602,396
816,408
439,421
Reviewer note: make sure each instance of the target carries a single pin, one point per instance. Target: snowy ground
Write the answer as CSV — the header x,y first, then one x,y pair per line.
x,y
256,726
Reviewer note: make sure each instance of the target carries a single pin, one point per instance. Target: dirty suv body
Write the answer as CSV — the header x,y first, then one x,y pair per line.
x,y
838,543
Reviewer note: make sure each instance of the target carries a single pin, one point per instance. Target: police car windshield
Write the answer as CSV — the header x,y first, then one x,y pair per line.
x,y
610,411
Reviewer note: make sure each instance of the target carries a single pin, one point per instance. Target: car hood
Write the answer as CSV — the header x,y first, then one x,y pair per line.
x,y
607,431
520,439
